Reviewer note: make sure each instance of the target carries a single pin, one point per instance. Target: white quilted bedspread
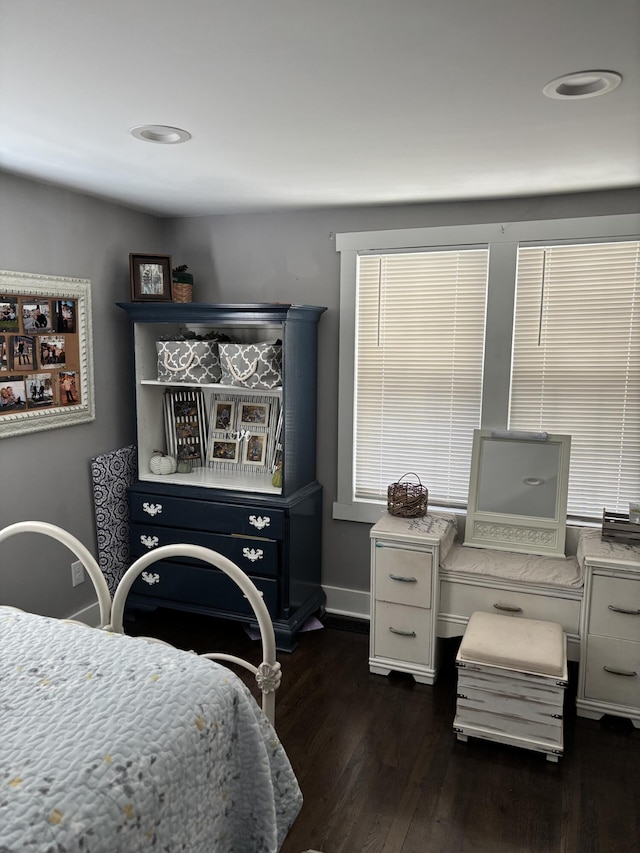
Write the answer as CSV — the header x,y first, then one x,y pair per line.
x,y
111,743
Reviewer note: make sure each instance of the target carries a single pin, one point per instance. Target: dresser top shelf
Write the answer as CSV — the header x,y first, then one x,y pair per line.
x,y
429,530
596,551
257,313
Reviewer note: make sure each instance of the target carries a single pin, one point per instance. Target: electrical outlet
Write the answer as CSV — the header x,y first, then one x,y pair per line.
x,y
77,573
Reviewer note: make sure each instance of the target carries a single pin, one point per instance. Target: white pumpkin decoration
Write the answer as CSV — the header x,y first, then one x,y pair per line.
x,y
161,463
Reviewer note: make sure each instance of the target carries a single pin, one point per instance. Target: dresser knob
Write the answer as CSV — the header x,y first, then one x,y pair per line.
x,y
253,554
149,541
152,509
150,577
259,521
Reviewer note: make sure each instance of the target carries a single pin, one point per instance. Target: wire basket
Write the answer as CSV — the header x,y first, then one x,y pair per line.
x,y
181,292
407,500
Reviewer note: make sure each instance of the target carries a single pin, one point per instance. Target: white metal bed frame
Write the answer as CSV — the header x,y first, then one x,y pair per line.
x,y
267,674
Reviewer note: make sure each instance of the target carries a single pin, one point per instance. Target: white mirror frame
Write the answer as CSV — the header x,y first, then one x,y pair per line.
x,y
524,534
55,287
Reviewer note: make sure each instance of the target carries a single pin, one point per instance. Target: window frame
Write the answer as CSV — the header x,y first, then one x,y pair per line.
x,y
503,240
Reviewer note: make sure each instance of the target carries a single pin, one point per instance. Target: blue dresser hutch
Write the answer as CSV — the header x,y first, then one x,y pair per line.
x,y
273,532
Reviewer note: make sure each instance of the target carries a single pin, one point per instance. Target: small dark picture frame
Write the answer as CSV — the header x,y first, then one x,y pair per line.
x,y
150,278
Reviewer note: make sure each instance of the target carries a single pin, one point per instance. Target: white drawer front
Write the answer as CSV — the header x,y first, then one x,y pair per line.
x,y
619,686
460,599
512,725
542,690
403,575
621,594
506,705
402,633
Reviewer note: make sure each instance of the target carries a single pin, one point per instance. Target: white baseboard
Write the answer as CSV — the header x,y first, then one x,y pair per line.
x,y
341,601
89,615
347,602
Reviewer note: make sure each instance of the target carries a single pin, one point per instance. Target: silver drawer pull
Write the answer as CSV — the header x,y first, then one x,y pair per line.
x,y
629,673
149,541
403,579
508,608
402,633
622,610
259,521
150,577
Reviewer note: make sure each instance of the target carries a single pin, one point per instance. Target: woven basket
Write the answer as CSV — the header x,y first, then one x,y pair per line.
x,y
181,292
407,500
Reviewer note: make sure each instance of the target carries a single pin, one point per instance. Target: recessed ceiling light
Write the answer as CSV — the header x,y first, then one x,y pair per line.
x,y
160,133
582,84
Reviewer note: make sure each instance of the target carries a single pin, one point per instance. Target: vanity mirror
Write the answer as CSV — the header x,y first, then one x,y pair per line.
x,y
518,492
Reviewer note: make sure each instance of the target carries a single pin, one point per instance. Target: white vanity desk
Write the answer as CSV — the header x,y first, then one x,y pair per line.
x,y
424,586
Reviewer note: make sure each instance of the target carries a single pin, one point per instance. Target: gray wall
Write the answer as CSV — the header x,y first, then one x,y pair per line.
x,y
291,257
287,257
45,476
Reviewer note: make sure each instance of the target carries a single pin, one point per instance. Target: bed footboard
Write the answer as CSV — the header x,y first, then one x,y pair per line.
x,y
268,673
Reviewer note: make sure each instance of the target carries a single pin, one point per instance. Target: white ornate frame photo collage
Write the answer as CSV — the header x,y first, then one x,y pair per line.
x,y
46,352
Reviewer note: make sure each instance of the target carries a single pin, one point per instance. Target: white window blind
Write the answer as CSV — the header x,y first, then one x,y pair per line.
x,y
576,364
419,353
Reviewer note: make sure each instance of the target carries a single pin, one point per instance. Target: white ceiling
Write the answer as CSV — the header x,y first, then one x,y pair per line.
x,y
298,103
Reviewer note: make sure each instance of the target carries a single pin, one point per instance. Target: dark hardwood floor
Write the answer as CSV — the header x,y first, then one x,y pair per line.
x,y
381,770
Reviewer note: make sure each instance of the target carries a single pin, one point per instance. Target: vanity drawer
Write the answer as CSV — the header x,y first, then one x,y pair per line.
x,y
622,594
402,633
207,515
403,575
461,599
620,686
191,584
252,555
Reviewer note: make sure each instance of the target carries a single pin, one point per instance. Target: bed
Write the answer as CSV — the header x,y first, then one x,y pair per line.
x,y
117,743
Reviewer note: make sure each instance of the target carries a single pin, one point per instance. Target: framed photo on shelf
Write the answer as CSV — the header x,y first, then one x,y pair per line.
x,y
254,414
222,449
45,328
223,415
185,426
254,450
150,278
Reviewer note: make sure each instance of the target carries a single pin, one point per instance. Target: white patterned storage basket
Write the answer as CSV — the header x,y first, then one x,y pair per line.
x,y
251,365
188,361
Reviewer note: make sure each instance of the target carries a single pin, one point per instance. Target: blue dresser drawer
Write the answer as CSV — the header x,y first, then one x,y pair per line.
x,y
216,517
252,555
205,587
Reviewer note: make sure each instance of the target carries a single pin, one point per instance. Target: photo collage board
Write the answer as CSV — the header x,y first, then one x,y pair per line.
x,y
240,432
39,353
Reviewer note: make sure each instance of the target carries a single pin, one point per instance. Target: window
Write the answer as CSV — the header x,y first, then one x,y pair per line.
x,y
576,364
418,387
436,340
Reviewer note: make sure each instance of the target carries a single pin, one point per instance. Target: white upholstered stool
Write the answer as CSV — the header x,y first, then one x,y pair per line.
x,y
512,674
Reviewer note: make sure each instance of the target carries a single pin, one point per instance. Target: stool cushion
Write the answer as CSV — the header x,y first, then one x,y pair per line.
x,y
527,645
